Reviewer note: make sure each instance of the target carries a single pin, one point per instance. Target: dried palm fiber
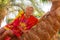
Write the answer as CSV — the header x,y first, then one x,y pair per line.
x,y
47,26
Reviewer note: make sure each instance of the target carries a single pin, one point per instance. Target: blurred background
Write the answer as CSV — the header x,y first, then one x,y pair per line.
x,y
14,6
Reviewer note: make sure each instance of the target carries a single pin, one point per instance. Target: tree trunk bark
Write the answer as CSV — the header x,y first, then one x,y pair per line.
x,y
47,26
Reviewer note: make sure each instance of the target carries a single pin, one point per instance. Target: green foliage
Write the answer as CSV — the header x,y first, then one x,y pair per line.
x,y
9,20
44,0
3,3
36,8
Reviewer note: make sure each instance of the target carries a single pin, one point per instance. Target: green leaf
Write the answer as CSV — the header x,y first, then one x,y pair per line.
x,y
4,3
9,20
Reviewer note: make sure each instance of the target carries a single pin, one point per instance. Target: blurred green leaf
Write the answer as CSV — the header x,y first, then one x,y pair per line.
x,y
4,3
9,20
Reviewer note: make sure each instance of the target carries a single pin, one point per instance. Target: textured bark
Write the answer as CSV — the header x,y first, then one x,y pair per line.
x,y
47,26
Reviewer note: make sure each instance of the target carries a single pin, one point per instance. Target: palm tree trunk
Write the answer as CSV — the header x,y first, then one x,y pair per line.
x,y
47,26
